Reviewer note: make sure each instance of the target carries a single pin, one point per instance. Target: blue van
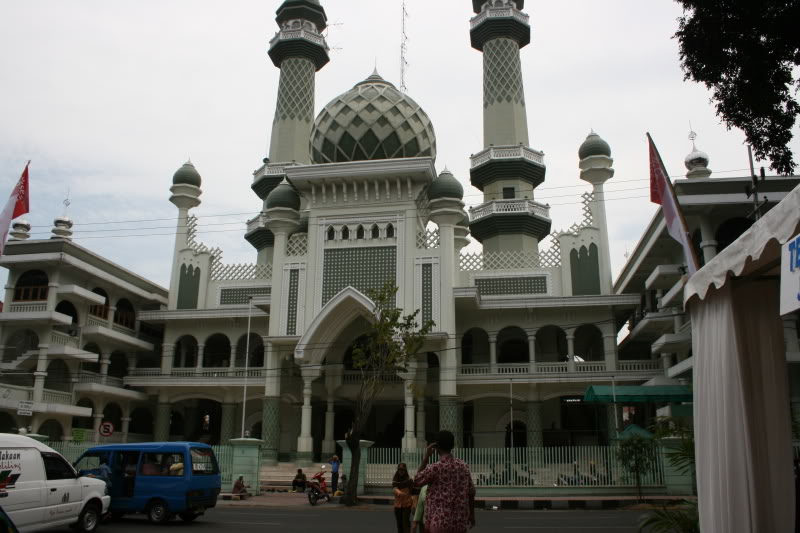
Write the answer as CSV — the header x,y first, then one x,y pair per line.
x,y
160,479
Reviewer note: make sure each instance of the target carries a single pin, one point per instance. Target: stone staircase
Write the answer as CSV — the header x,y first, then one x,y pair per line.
x,y
278,478
16,363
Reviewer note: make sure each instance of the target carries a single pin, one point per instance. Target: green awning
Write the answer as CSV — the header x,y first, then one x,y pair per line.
x,y
638,394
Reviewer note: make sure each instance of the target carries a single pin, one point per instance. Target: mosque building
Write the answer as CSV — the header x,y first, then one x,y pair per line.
x,y
352,200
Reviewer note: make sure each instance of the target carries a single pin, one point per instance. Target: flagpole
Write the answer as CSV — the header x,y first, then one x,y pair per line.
x,y
674,196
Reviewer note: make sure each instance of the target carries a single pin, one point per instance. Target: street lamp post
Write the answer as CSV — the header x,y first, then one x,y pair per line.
x,y
246,361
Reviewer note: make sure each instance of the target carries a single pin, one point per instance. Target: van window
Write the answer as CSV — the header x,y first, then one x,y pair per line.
x,y
56,467
203,462
90,461
162,464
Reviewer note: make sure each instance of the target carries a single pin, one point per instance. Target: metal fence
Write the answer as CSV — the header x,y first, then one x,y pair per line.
x,y
590,466
72,450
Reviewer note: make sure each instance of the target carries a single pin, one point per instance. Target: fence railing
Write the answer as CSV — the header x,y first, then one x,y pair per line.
x,y
591,466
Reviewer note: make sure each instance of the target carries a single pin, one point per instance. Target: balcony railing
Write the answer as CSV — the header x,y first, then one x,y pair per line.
x,y
354,376
506,152
639,366
52,396
199,373
28,307
92,377
65,339
285,35
498,12
509,206
258,222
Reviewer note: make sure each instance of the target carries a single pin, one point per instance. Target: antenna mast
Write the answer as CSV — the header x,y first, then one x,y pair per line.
x,y
403,51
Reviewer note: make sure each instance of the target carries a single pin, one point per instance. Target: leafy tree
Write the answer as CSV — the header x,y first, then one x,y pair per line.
x,y
637,455
684,518
391,343
746,53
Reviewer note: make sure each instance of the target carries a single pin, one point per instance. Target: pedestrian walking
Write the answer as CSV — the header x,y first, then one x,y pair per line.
x,y
335,464
418,521
401,485
450,500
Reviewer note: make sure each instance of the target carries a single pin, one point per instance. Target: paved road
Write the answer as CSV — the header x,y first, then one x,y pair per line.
x,y
337,519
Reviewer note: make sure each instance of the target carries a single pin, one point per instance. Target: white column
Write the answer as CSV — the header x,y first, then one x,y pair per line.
x,y
493,352
571,351
421,422
40,374
98,419
610,349
167,355
707,244
200,349
126,423
409,439
305,444
531,350
104,362
328,444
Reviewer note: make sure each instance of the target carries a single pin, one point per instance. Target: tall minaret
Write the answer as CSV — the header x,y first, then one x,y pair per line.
x,y
507,170
299,50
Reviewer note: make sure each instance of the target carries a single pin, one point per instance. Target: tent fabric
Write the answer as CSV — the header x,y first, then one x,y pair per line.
x,y
741,405
742,423
637,394
774,229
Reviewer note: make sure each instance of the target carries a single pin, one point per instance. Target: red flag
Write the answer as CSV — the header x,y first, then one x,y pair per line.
x,y
16,206
662,193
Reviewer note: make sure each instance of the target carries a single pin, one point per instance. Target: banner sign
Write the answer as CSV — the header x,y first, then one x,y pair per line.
x,y
790,276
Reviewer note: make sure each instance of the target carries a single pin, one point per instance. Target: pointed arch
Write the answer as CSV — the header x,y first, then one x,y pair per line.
x,y
337,314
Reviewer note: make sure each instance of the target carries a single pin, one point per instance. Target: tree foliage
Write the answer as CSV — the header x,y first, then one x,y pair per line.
x,y
746,53
637,455
391,343
684,518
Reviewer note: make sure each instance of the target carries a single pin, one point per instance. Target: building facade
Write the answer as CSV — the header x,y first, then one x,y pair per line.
x,y
351,200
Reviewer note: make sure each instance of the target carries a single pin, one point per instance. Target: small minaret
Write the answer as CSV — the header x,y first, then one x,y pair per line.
x,y
596,168
507,170
185,195
299,50
20,230
697,161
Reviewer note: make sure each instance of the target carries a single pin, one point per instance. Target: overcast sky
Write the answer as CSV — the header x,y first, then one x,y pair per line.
x,y
108,98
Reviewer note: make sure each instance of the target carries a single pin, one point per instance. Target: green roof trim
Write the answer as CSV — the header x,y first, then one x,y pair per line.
x,y
638,394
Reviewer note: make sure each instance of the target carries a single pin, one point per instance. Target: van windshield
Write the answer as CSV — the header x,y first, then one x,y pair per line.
x,y
203,462
90,462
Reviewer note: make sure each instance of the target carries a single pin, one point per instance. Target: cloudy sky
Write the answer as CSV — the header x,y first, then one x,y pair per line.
x,y
108,98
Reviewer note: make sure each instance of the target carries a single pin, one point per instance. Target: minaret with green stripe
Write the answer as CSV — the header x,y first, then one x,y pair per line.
x,y
507,170
299,50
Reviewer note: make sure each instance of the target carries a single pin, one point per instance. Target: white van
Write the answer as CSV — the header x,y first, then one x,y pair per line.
x,y
39,489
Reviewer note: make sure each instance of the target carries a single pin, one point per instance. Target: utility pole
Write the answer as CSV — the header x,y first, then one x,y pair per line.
x,y
753,189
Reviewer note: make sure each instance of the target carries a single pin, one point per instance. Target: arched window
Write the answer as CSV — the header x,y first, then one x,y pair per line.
x,y
360,232
53,429
217,352
345,233
376,232
589,343
185,355
100,310
58,376
551,345
83,422
125,315
118,365
31,287
256,358
95,366
389,231
730,230
113,413
512,346
475,347
66,308
141,421
331,234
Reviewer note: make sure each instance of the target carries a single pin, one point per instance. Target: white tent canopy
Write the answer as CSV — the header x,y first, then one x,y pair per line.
x,y
743,437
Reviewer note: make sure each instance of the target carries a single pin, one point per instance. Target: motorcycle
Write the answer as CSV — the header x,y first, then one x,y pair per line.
x,y
318,488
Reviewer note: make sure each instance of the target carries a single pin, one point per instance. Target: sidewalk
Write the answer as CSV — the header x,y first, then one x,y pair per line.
x,y
270,499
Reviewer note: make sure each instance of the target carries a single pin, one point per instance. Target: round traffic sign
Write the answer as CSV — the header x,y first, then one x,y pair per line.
x,y
106,429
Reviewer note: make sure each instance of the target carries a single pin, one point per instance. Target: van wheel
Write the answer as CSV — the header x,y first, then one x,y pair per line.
x,y
188,516
89,518
157,512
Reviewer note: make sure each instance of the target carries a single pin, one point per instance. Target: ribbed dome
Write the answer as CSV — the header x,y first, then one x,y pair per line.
x,y
373,120
283,196
445,186
594,145
187,175
696,159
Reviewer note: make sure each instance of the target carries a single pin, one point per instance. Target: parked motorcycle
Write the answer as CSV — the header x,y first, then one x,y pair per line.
x,y
318,488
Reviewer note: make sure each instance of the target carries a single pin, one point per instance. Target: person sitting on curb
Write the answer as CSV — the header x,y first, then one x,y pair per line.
x,y
299,481
239,488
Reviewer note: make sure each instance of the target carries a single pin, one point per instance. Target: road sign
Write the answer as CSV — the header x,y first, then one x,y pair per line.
x,y
25,408
78,435
106,429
